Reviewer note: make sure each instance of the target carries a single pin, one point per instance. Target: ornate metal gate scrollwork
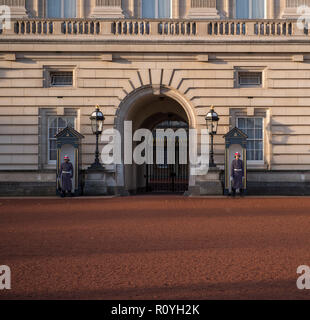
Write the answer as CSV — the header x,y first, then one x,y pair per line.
x,y
168,178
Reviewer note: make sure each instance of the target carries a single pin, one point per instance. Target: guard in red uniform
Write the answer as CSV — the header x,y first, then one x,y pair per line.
x,y
66,174
237,174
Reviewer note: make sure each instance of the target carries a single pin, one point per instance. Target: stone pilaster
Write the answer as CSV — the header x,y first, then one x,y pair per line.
x,y
35,8
201,9
18,9
81,9
226,9
270,10
129,8
108,9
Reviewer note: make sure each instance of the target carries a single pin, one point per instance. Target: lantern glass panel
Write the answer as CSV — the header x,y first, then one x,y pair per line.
x,y
97,119
94,125
215,127
99,126
209,125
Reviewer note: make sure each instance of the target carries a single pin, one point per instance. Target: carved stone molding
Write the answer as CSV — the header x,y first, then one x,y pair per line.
x,y
203,9
203,3
17,7
108,9
108,3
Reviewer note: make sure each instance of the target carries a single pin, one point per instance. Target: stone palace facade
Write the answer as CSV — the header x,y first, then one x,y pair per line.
x,y
152,61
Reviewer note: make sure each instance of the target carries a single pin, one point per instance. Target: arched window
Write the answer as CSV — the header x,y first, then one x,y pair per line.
x,y
250,9
156,8
61,8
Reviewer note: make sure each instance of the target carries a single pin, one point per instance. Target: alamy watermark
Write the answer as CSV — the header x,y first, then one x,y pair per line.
x,y
5,277
303,281
162,147
304,17
5,17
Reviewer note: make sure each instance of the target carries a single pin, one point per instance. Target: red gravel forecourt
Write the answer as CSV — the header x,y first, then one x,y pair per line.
x,y
155,247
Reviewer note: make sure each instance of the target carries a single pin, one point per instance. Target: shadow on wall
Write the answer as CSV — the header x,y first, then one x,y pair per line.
x,y
4,72
280,134
282,131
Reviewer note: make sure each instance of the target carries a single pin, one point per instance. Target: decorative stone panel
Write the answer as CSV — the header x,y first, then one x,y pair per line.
x,y
108,9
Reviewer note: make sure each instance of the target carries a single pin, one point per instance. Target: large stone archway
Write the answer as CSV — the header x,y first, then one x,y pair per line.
x,y
145,108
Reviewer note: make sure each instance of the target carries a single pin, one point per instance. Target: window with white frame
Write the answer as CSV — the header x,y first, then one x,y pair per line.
x,y
55,125
61,8
250,9
156,9
253,128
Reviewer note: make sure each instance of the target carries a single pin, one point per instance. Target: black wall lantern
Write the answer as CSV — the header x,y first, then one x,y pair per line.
x,y
97,119
212,120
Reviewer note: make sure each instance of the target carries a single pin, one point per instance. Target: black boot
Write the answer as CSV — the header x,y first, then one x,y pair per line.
x,y
233,192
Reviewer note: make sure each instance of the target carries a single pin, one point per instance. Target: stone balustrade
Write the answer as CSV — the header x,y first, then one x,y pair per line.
x,y
131,27
149,28
177,28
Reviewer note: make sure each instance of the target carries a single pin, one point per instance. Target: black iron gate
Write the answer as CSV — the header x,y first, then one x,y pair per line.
x,y
168,178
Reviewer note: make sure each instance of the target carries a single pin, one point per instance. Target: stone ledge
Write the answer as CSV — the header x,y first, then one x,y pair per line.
x,y
115,12
203,13
27,188
278,188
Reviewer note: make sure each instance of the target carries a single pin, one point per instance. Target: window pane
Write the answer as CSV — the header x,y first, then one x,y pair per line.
x,y
258,155
250,133
53,154
54,9
250,78
258,9
250,123
241,123
258,145
70,122
52,132
61,8
250,155
258,133
163,8
61,78
53,122
250,9
52,144
242,9
258,123
250,145
62,123
148,9
69,8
